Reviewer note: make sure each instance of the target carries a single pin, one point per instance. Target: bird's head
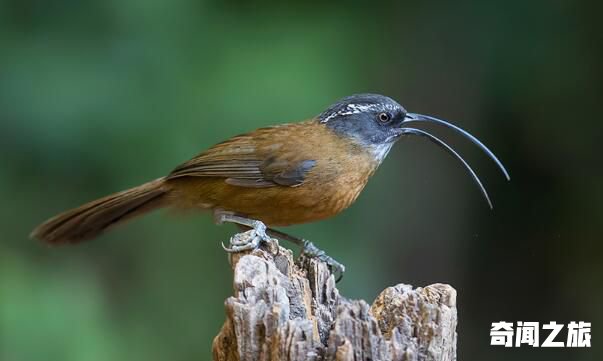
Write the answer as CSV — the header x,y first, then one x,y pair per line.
x,y
371,120
376,122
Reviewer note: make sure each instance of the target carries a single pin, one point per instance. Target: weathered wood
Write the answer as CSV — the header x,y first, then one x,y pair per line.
x,y
293,312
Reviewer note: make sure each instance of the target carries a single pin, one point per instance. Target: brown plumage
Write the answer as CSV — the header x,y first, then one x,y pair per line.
x,y
282,175
89,220
278,175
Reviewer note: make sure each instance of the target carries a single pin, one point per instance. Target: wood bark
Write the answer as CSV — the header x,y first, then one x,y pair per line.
x,y
292,311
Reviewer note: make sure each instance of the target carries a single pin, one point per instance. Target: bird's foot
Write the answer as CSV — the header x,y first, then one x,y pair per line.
x,y
249,240
310,250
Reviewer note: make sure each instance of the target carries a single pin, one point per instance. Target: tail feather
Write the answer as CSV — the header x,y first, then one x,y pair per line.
x,y
91,219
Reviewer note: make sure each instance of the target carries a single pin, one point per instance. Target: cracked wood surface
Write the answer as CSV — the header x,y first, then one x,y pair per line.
x,y
283,310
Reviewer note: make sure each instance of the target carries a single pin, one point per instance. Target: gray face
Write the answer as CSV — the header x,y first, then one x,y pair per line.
x,y
371,119
376,122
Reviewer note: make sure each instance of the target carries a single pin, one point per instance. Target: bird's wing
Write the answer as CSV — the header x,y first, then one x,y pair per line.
x,y
265,158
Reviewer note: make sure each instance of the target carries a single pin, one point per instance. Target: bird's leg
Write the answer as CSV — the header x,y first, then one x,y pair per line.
x,y
310,250
262,233
236,244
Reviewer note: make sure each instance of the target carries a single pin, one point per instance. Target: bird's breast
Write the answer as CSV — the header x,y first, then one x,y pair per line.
x,y
341,169
341,172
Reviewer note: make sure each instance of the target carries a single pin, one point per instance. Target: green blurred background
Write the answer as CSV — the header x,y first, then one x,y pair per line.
x,y
98,96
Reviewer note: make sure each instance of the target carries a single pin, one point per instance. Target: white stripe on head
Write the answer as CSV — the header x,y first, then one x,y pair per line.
x,y
353,108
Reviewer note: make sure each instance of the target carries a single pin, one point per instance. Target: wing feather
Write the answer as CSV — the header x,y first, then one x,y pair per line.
x,y
243,162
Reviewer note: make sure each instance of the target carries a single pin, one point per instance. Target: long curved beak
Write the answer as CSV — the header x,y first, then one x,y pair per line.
x,y
414,117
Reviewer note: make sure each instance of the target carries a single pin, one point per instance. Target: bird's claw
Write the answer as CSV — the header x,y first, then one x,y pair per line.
x,y
336,268
249,240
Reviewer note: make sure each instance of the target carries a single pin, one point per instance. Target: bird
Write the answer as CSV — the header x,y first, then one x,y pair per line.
x,y
276,176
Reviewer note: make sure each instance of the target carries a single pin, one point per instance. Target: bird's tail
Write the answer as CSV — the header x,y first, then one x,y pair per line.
x,y
91,219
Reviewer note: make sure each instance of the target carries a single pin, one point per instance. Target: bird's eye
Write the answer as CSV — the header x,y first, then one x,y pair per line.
x,y
384,117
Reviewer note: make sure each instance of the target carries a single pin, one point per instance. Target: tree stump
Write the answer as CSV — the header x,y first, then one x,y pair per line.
x,y
283,310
